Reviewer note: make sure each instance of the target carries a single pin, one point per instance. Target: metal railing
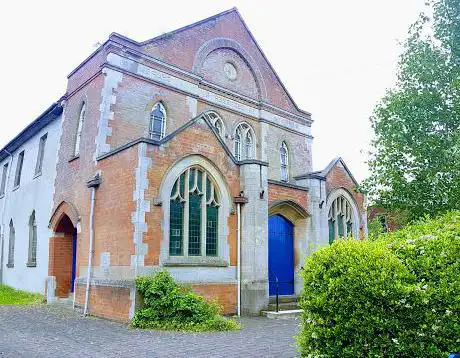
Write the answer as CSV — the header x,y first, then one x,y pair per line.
x,y
277,288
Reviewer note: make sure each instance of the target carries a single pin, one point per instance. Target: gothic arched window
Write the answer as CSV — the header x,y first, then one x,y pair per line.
x,y
244,142
340,219
194,208
32,259
11,240
81,121
158,121
284,162
216,121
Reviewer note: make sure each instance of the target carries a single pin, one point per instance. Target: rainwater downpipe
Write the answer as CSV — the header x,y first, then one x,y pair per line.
x,y
93,184
238,255
2,233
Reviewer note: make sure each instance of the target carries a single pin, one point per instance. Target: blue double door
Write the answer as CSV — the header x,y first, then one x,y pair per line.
x,y
280,255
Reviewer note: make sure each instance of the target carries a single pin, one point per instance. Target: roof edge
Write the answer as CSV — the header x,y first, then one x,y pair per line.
x,y
49,115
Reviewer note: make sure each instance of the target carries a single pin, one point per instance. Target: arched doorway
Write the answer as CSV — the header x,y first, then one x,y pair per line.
x,y
280,255
63,256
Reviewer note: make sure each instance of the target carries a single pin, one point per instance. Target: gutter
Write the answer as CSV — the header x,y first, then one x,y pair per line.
x,y
93,184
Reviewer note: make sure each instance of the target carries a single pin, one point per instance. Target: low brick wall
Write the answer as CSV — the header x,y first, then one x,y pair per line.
x,y
112,303
224,294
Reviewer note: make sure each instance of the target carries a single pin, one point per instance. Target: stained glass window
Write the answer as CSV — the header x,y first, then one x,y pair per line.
x,y
195,199
284,160
340,219
244,139
81,121
157,121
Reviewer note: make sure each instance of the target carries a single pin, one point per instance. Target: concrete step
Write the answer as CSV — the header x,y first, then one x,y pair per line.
x,y
287,306
284,299
282,314
64,301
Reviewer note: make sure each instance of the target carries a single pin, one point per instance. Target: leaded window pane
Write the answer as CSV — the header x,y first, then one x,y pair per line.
x,y
211,231
341,215
157,121
238,144
340,228
194,226
176,228
331,231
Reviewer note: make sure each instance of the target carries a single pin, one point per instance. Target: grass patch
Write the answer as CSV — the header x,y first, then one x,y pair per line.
x,y
11,296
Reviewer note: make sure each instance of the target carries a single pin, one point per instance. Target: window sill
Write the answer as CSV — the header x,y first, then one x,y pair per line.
x,y
31,264
2,196
74,157
187,261
10,265
37,175
16,187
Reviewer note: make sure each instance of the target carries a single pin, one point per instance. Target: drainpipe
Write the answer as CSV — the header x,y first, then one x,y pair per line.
x,y
238,255
93,184
239,200
2,233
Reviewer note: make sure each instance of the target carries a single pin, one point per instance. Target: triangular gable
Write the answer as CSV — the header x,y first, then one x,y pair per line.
x,y
184,46
334,163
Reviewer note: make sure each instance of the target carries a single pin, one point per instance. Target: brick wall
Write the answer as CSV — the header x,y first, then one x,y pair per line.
x,y
281,193
225,295
195,139
108,302
181,48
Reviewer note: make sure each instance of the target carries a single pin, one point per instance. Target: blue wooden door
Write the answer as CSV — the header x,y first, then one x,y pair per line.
x,y
280,255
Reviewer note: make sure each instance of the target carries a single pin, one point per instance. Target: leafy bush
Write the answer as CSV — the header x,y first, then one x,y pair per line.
x,y
170,306
396,296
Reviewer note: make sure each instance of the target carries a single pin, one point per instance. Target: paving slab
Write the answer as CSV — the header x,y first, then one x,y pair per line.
x,y
57,331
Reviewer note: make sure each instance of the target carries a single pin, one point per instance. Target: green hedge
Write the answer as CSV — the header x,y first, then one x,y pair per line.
x,y
396,296
169,306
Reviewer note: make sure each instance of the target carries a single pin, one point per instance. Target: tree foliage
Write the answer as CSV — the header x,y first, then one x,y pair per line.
x,y
415,161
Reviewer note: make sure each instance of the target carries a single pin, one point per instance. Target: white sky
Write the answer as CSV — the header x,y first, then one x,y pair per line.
x,y
335,57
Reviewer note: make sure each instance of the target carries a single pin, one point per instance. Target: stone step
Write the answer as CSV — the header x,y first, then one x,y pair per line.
x,y
286,306
284,299
282,314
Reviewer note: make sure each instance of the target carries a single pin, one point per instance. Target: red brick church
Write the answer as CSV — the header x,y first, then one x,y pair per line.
x,y
185,152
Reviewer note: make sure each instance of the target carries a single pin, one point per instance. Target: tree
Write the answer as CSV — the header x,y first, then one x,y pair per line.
x,y
415,160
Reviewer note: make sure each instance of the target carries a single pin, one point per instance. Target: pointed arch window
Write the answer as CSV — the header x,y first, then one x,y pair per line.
x,y
11,239
158,121
32,258
244,142
216,121
81,121
194,209
284,161
340,219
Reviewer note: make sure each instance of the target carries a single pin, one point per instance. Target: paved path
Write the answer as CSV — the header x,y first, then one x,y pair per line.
x,y
54,331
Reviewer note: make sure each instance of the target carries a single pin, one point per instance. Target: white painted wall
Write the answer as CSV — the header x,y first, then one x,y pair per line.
x,y
32,194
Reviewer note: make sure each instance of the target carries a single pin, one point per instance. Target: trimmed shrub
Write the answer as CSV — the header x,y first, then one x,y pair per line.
x,y
170,306
396,296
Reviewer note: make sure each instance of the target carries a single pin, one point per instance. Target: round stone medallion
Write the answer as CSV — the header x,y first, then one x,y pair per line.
x,y
230,71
